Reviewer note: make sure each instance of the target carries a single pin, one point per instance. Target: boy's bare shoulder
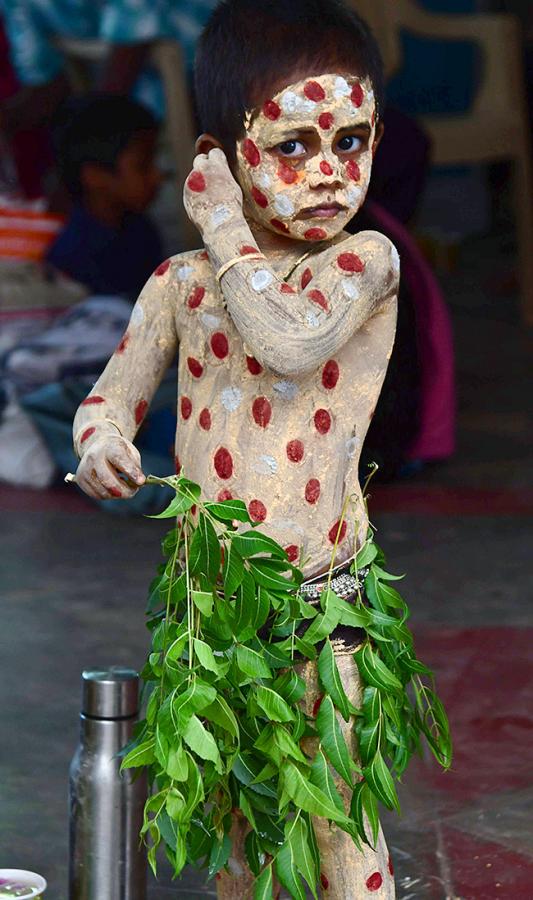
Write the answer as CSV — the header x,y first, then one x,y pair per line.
x,y
190,275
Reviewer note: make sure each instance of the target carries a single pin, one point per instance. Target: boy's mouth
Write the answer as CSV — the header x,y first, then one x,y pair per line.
x,y
321,211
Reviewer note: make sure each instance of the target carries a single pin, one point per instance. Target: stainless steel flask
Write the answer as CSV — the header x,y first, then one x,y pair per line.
x,y
106,807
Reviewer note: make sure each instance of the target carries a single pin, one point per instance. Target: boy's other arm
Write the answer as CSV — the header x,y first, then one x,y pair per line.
x,y
108,419
290,331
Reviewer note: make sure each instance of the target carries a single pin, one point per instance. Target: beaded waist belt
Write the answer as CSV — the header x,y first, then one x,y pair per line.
x,y
342,582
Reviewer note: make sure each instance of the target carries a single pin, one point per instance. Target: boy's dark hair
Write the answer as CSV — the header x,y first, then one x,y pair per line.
x,y
248,46
96,128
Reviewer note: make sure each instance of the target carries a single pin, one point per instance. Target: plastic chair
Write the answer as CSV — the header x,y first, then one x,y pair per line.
x,y
496,127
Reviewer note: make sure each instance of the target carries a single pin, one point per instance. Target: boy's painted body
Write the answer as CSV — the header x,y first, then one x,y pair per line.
x,y
281,365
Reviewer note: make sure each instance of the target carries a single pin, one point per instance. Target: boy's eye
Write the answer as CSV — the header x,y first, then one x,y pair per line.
x,y
291,148
349,143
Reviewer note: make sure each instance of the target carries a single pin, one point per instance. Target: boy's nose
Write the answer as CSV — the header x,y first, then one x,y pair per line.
x,y
325,171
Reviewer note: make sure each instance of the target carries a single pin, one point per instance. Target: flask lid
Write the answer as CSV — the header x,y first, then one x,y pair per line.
x,y
111,693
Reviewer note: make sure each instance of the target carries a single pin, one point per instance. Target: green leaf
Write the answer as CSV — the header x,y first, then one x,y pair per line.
x,y
194,699
263,884
322,778
374,671
386,576
303,854
246,768
178,505
371,808
330,679
202,742
220,713
228,510
380,782
204,552
246,809
273,705
368,739
332,740
307,796
367,553
248,543
287,745
177,764
206,656
269,578
220,853
233,569
255,856
141,755
274,656
324,624
290,686
203,600
175,805
357,812
287,871
251,663
196,788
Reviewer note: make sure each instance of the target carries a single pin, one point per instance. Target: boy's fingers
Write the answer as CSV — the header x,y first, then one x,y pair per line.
x,y
124,462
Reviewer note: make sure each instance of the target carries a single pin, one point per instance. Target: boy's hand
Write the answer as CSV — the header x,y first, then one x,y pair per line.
x,y
99,468
211,195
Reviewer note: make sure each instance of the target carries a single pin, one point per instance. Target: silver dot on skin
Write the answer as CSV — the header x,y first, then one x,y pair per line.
x,y
231,398
313,320
352,445
210,321
184,272
264,180
220,215
342,88
289,102
283,205
137,315
353,195
288,390
261,279
265,465
350,288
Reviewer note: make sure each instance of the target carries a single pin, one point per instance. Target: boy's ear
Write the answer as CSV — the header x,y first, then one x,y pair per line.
x,y
94,177
207,142
380,128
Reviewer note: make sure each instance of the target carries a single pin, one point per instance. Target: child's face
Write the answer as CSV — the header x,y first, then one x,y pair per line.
x,y
304,162
137,178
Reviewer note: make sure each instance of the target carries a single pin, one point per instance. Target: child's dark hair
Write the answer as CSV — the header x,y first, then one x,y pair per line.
x,y
248,46
96,128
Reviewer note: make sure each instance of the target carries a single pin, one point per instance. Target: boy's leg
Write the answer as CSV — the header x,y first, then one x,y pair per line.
x,y
346,872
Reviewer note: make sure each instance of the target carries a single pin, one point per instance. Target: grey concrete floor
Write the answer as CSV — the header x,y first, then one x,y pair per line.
x,y
74,580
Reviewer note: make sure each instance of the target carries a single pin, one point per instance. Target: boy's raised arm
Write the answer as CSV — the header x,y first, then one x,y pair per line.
x,y
288,331
108,419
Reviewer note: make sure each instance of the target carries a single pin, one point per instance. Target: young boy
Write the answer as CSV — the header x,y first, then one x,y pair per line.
x,y
106,156
285,322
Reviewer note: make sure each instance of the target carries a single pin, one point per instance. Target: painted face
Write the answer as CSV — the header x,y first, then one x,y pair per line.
x,y
304,163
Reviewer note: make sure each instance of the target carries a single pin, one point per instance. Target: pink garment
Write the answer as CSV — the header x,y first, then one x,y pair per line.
x,y
436,435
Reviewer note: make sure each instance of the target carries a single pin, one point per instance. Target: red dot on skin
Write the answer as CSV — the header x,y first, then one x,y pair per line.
x,y
325,168
286,288
314,91
90,401
271,110
324,881
177,465
292,552
259,198
219,345
261,411
352,170
279,225
224,495
162,267
318,298
350,262
254,367
257,511
204,419
114,492
251,153
357,95
195,368
315,234
374,882
322,421
196,182
287,173
203,254
390,867
295,450
86,434
312,490
124,341
332,534
325,120
185,407
223,463
140,411
316,705
247,248
196,297
306,278
330,374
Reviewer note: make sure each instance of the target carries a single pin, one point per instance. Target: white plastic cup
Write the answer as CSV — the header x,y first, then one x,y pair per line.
x,y
35,884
